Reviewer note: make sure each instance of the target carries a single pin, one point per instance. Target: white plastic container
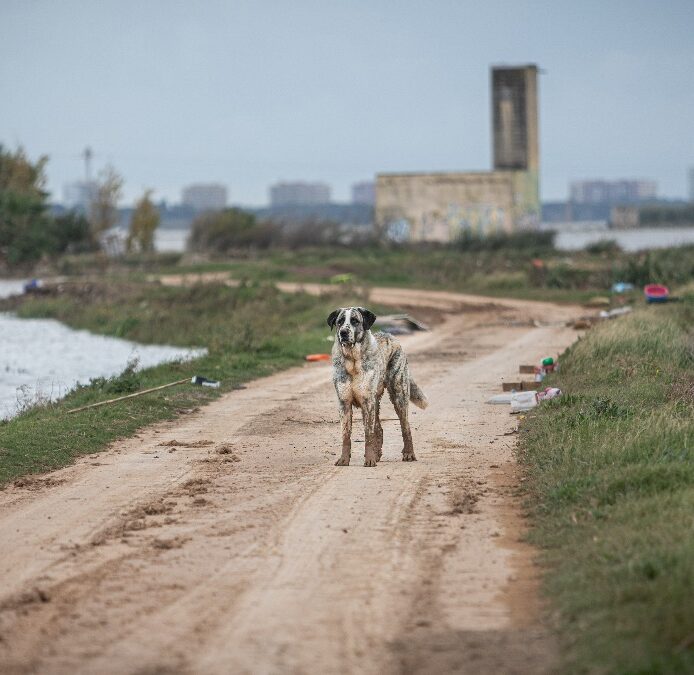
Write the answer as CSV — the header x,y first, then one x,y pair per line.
x,y
523,400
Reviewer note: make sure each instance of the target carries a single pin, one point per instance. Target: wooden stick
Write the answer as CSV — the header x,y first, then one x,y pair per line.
x,y
122,398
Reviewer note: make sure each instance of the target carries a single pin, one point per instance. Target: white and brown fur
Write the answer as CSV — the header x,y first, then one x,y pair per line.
x,y
364,365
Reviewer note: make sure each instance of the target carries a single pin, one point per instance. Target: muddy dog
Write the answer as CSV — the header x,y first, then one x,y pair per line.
x,y
364,364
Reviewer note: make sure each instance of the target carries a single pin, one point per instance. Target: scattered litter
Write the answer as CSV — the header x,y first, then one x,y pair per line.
x,y
523,385
523,400
612,313
341,278
620,287
526,370
318,357
205,382
656,293
548,393
598,301
196,379
400,324
35,286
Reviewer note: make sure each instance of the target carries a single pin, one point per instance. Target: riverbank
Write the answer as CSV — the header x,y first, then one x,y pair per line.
x,y
610,483
248,331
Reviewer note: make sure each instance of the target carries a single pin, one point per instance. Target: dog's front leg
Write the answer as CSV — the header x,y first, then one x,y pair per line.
x,y
368,409
346,426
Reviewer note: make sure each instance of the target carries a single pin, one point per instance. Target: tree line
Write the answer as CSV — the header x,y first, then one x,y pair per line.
x,y
30,232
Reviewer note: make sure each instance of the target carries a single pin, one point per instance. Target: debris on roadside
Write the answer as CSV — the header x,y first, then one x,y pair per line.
x,y
523,400
656,293
620,287
523,385
400,324
586,322
196,379
612,313
597,301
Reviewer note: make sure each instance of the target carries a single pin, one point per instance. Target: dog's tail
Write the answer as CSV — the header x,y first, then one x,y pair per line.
x,y
417,395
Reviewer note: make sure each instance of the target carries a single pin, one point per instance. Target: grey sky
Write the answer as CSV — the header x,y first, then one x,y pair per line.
x,y
249,92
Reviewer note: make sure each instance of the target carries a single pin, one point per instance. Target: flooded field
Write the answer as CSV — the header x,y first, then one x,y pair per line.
x,y
41,359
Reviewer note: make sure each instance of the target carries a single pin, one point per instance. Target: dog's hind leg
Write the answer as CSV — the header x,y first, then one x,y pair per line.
x,y
346,426
400,396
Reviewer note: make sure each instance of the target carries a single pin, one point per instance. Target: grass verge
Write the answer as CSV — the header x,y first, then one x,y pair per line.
x,y
610,470
249,332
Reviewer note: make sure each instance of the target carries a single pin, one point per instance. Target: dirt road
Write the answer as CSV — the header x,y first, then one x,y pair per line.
x,y
227,542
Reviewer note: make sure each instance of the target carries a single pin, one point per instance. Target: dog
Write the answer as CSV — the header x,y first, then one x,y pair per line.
x,y
364,365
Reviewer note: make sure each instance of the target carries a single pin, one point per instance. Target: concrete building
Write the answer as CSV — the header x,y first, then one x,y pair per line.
x,y
612,192
691,183
205,196
444,206
364,193
299,194
79,194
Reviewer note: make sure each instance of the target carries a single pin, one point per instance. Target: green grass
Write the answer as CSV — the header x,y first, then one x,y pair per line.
x,y
249,331
508,272
610,469
508,269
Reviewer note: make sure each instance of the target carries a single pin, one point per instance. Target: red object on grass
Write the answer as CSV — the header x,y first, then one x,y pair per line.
x,y
656,293
318,357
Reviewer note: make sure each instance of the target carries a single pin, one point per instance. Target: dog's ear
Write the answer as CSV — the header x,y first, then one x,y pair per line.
x,y
333,318
369,317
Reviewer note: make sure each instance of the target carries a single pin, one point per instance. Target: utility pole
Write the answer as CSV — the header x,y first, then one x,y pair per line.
x,y
87,154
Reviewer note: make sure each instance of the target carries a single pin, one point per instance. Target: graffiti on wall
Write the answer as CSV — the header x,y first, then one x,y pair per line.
x,y
461,219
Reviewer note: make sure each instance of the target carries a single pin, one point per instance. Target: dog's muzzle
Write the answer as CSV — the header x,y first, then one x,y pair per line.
x,y
345,337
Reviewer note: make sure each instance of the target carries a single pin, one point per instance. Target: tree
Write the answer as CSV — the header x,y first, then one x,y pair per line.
x,y
103,211
223,231
22,206
144,222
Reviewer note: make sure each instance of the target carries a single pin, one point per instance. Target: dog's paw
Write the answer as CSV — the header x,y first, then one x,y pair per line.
x,y
408,457
343,461
370,462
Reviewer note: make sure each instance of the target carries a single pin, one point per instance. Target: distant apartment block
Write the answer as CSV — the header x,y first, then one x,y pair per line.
x,y
690,175
364,193
79,195
612,191
205,196
299,194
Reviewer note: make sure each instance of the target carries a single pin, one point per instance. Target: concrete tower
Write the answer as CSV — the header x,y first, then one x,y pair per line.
x,y
514,118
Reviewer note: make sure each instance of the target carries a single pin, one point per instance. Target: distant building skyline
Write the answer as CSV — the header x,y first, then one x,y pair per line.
x,y
205,196
690,175
299,193
364,192
598,191
183,93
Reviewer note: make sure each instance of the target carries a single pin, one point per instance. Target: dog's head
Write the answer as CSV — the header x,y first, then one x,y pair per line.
x,y
351,324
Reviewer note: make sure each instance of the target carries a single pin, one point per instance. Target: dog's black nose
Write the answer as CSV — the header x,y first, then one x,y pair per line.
x,y
344,333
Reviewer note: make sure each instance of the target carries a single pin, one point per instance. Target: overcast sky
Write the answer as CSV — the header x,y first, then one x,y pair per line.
x,y
250,92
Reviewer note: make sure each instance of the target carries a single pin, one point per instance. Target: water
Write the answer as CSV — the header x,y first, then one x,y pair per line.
x,y
569,237
572,238
41,359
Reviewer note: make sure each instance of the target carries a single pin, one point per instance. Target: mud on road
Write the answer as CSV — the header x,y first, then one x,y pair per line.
x,y
227,542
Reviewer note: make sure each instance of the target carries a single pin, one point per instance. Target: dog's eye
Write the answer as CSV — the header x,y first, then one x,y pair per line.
x,y
353,320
